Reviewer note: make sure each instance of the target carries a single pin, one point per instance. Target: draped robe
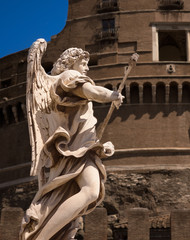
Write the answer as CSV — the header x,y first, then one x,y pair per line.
x,y
71,146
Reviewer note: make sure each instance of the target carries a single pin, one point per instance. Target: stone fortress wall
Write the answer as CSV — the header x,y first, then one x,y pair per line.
x,y
151,131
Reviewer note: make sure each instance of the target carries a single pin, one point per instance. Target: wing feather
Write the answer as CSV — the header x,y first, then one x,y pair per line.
x,y
39,102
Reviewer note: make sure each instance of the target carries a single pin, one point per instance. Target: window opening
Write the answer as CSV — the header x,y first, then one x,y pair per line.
x,y
20,112
108,24
134,93
186,93
107,5
147,93
160,93
109,86
108,30
172,45
173,97
170,4
10,114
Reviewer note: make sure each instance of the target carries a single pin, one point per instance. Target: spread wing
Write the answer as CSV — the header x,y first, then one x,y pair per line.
x,y
38,102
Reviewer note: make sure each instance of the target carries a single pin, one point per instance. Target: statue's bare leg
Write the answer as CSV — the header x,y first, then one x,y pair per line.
x,y
89,183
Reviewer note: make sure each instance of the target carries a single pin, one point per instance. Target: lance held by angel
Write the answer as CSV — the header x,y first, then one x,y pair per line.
x,y
64,142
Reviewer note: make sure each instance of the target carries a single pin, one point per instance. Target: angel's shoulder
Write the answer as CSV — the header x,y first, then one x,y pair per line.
x,y
70,74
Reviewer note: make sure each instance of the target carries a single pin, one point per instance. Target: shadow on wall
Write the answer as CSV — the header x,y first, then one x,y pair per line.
x,y
149,99
139,110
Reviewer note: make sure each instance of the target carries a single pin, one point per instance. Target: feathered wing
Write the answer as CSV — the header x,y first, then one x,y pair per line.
x,y
38,102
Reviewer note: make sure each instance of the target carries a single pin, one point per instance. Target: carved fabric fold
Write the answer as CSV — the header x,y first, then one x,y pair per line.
x,y
72,145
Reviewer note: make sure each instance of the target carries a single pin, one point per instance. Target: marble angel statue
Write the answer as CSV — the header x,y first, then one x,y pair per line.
x,y
66,154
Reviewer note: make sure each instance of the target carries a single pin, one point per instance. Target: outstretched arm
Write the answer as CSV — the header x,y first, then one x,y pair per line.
x,y
101,94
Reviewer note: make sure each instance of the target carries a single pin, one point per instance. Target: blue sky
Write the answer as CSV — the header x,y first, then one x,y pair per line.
x,y
23,21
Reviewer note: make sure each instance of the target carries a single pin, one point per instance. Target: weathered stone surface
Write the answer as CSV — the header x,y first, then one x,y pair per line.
x,y
180,225
159,191
139,125
138,224
10,223
96,225
19,195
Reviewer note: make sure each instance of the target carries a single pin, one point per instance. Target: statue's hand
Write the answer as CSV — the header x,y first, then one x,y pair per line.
x,y
109,149
119,101
135,57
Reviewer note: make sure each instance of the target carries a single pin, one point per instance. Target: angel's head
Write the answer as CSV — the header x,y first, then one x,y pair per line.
x,y
72,58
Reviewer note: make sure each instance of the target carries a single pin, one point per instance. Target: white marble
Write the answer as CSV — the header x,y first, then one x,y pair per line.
x,y
64,142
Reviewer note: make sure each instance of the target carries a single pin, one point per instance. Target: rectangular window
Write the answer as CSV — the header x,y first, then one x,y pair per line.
x,y
108,30
107,6
171,42
108,24
170,4
172,45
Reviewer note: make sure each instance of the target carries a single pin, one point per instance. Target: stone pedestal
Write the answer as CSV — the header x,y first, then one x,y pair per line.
x,y
10,223
138,224
180,225
96,225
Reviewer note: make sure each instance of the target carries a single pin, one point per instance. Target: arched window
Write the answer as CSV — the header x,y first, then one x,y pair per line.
x,y
10,114
134,93
147,93
160,93
109,86
20,112
186,92
173,96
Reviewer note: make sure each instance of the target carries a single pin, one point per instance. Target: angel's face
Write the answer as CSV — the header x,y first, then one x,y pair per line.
x,y
81,66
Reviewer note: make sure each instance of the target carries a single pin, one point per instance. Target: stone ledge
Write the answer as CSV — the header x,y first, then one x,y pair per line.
x,y
16,182
143,167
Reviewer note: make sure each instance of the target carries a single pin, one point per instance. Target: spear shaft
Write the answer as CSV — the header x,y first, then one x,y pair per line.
x,y
132,62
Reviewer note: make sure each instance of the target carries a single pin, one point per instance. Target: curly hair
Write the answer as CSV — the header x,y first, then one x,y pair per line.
x,y
67,59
